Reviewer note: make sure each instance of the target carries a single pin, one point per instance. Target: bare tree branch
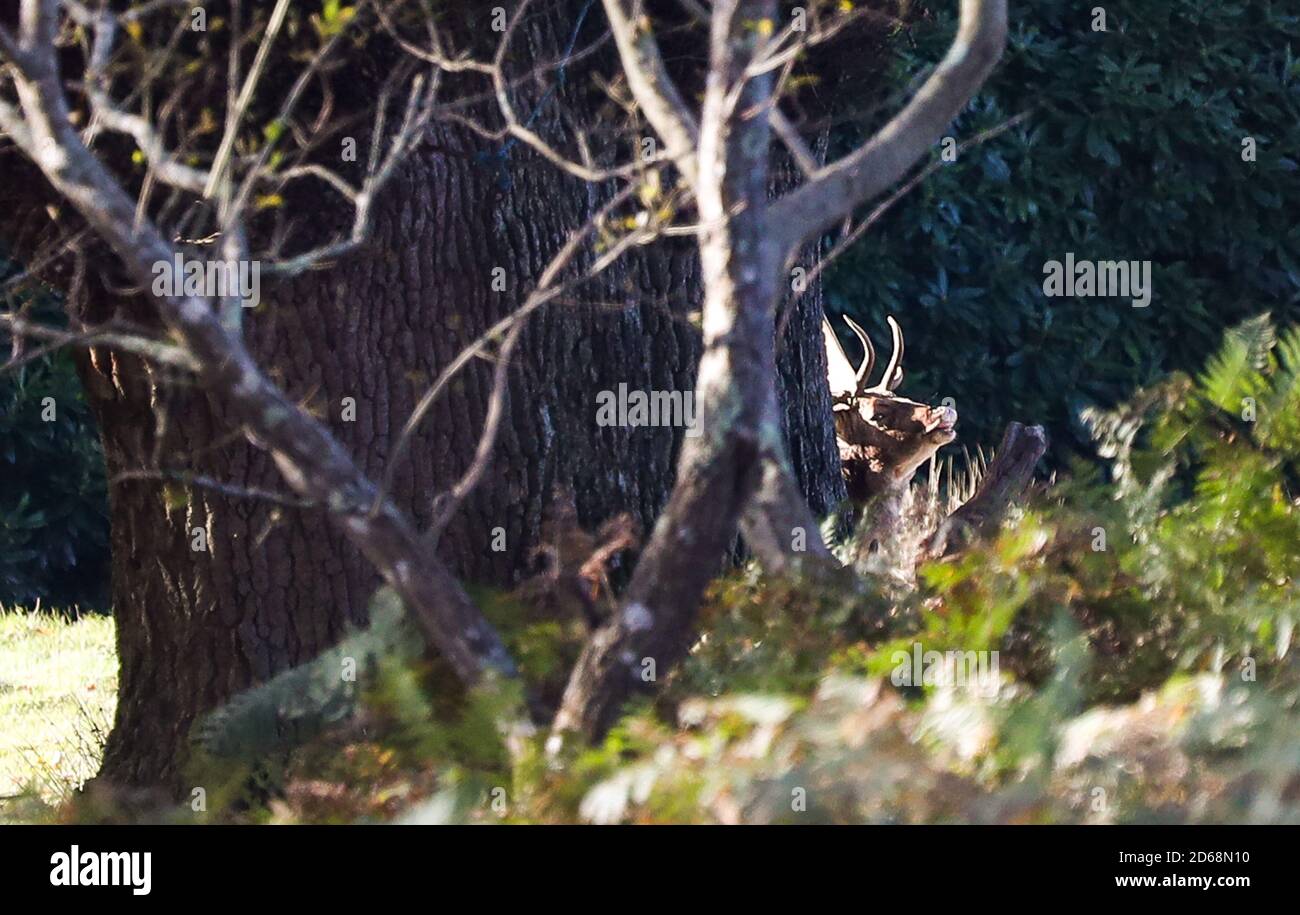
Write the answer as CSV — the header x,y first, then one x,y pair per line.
x,y
235,116
1004,481
851,235
720,470
836,190
446,504
778,54
153,350
654,90
313,462
199,481
803,156
777,524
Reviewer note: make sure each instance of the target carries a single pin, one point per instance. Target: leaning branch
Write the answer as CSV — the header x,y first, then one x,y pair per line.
x,y
851,235
839,188
315,465
1003,483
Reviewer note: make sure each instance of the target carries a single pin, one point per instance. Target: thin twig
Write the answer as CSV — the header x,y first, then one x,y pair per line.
x,y
878,212
198,481
543,294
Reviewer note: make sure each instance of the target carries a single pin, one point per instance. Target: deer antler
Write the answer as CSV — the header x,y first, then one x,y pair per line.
x,y
846,382
839,372
868,356
882,437
893,376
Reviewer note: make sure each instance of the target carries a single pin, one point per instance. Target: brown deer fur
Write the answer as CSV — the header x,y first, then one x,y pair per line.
x,y
883,440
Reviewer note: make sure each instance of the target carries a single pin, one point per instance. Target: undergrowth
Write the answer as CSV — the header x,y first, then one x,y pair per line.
x,y
1119,651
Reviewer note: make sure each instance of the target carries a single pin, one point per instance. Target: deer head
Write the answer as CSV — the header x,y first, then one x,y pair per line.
x,y
883,438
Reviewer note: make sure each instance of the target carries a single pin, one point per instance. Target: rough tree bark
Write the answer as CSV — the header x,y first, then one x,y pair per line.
x,y
744,239
278,585
720,471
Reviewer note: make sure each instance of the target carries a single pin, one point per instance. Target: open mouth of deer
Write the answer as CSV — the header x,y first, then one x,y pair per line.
x,y
943,419
896,424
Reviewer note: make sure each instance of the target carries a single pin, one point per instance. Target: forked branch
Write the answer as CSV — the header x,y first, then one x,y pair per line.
x,y
315,465
834,192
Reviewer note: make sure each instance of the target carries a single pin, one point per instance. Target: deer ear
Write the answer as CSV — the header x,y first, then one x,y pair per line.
x,y
839,372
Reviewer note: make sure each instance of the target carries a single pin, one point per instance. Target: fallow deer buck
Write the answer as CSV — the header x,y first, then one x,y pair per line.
x,y
884,439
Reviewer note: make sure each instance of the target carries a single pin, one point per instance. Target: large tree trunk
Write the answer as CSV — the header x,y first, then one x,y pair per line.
x,y
276,586
721,471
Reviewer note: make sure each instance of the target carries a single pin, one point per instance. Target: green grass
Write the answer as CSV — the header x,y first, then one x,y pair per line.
x,y
58,689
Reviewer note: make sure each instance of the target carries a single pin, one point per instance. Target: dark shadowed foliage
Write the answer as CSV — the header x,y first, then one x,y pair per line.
x,y
53,511
1133,150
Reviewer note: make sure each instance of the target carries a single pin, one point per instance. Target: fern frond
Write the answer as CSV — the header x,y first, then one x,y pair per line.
x,y
1279,413
1238,370
300,703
